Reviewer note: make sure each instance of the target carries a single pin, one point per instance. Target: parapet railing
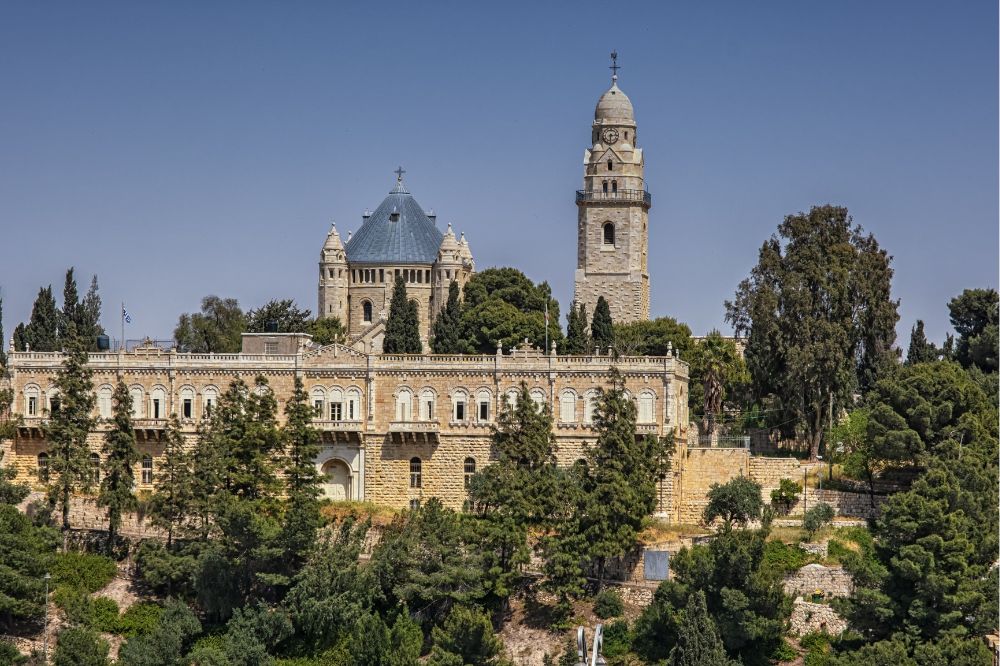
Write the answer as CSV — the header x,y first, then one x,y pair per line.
x,y
719,442
638,196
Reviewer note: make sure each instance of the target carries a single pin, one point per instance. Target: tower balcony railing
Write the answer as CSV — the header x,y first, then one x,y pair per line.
x,y
624,196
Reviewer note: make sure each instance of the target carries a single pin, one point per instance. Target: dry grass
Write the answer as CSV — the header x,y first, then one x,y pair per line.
x,y
338,511
660,531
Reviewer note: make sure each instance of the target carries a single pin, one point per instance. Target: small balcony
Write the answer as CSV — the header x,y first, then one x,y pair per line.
x,y
425,431
641,197
647,429
32,427
339,431
149,429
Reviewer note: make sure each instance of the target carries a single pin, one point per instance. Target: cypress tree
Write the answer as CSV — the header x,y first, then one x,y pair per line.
x,y
920,350
698,642
69,321
448,325
42,331
170,507
577,340
602,328
3,356
89,325
120,458
302,489
402,334
70,422
20,337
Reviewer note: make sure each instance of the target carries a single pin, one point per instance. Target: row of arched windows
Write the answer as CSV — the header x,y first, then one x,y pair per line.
x,y
336,404
150,404
94,468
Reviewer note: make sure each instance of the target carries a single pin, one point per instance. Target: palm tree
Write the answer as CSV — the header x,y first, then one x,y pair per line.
x,y
719,363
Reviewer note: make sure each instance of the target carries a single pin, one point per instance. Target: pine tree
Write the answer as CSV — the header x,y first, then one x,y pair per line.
x,y
622,472
69,319
402,335
302,489
170,507
120,458
42,331
89,324
601,327
448,325
70,421
698,642
920,351
577,340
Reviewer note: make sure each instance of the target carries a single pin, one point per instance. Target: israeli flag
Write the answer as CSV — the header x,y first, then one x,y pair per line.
x,y
126,316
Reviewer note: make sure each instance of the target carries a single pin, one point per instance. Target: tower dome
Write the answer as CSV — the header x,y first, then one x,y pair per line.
x,y
614,106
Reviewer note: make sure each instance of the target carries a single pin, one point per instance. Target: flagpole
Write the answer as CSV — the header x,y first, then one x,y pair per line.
x,y
546,326
121,345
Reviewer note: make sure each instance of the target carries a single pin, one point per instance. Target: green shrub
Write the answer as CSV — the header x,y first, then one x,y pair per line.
x,y
785,495
784,652
816,517
608,604
80,646
817,646
780,557
83,570
75,603
617,639
140,619
104,615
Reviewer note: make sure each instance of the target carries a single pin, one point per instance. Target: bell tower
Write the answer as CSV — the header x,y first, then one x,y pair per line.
x,y
613,213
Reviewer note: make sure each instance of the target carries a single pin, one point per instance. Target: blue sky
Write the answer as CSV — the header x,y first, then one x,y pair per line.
x,y
186,148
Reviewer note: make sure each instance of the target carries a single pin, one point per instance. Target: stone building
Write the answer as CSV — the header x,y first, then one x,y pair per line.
x,y
397,429
399,238
613,214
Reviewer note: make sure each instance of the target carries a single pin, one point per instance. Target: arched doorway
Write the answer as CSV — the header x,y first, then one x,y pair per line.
x,y
337,480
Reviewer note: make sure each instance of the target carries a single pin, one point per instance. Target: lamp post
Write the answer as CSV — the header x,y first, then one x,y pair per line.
x,y
45,638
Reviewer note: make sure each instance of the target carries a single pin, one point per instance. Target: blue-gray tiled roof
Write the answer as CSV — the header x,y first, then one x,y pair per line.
x,y
413,239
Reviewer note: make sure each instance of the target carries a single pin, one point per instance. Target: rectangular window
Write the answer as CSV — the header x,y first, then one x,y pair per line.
x,y
209,403
381,275
156,408
459,411
336,411
32,405
271,347
318,406
186,408
147,470
427,276
414,504
484,410
429,414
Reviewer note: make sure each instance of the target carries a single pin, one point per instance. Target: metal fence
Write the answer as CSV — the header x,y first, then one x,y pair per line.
x,y
719,442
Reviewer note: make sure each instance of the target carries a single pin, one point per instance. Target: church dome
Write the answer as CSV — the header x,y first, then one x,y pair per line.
x,y
398,232
614,105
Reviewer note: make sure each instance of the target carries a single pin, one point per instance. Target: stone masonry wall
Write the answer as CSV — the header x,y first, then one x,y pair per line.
x,y
702,468
833,581
808,617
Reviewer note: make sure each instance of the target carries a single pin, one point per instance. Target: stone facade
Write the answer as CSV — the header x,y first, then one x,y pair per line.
x,y
396,429
613,215
831,581
808,617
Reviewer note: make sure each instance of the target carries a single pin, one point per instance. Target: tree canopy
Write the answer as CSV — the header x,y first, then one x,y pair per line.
x,y
402,328
218,328
503,305
975,314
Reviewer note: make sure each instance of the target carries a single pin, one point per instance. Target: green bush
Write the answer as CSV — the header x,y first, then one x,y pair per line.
x,y
617,639
817,646
784,652
83,570
140,619
104,615
80,646
608,604
816,517
75,603
785,495
780,557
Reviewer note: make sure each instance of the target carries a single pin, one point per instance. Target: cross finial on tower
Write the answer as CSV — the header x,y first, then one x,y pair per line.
x,y
614,66
399,174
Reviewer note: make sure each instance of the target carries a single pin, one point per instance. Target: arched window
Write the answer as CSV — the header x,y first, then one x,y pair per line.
x,y
336,404
567,406
209,398
366,308
469,471
187,403
459,405
614,187
43,467
427,405
511,397
147,469
138,400
483,400
31,398
647,400
404,404
53,400
95,468
538,397
604,186
318,395
353,405
416,473
589,404
104,402
611,165
158,403
609,233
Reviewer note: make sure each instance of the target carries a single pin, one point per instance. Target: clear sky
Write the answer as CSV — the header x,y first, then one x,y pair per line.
x,y
179,149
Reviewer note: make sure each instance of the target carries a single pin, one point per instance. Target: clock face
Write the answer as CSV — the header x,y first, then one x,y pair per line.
x,y
611,135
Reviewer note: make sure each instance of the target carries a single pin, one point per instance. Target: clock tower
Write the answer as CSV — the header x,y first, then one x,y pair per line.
x,y
613,213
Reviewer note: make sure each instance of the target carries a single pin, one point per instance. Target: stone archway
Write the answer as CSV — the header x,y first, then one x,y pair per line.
x,y
337,480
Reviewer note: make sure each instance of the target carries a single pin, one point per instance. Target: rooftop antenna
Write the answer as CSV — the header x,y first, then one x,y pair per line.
x,y
614,66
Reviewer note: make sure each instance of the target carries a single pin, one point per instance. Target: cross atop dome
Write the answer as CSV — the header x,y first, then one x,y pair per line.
x,y
614,66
